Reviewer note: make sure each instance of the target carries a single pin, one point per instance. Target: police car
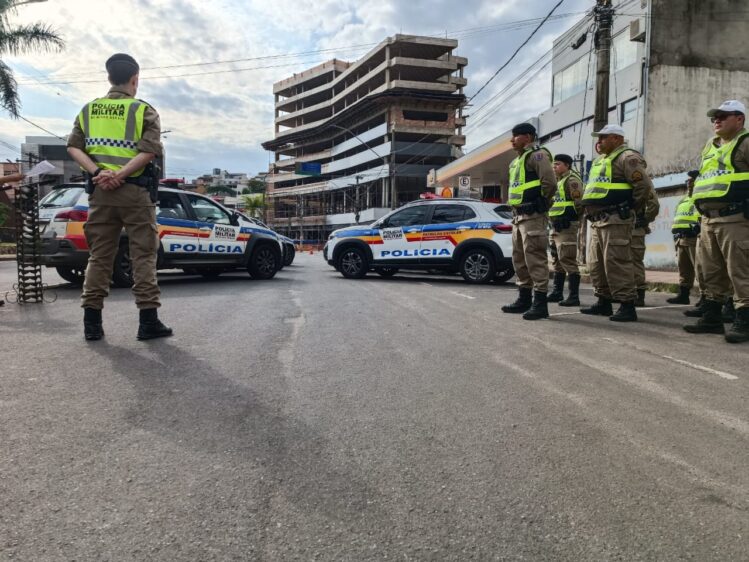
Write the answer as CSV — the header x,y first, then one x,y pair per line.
x,y
196,234
450,235
289,251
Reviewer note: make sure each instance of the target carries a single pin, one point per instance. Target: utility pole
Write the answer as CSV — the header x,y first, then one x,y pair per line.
x,y
357,202
604,15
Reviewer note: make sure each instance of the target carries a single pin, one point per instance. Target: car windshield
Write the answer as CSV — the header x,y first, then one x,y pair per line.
x,y
64,197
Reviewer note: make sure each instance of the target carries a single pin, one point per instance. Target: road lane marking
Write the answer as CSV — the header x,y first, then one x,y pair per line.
x,y
463,295
721,374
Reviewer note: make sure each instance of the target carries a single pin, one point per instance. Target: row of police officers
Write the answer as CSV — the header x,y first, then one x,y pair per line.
x,y
711,227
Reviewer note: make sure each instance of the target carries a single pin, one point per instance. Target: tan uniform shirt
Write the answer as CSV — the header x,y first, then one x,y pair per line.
x,y
127,195
741,160
631,166
573,191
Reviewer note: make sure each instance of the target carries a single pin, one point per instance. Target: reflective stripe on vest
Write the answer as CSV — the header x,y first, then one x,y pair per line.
x,y
718,179
602,187
563,206
113,128
685,215
525,186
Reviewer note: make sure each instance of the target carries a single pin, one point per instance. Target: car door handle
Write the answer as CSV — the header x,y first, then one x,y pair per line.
x,y
206,228
464,228
412,230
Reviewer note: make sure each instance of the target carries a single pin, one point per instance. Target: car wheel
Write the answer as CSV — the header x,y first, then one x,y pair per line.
x,y
387,271
289,255
477,266
504,275
264,262
71,274
353,263
122,274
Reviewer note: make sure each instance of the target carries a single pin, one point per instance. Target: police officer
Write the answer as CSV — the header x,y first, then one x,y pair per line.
x,y
564,216
721,194
639,232
532,188
685,228
617,190
114,138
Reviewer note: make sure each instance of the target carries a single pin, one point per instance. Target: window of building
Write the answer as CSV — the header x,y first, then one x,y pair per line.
x,y
414,115
629,109
571,80
492,193
623,52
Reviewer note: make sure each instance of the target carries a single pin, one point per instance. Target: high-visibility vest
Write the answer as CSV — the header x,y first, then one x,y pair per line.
x,y
719,180
564,207
112,128
686,215
602,187
525,186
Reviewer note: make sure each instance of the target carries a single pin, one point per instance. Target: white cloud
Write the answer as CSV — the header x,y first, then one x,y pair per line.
x,y
219,120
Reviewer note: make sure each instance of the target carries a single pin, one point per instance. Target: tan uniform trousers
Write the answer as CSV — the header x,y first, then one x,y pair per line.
x,y
637,247
686,254
566,244
610,259
529,257
724,258
103,230
698,268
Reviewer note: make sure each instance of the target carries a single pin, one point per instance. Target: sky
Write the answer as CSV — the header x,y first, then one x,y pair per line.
x,y
208,66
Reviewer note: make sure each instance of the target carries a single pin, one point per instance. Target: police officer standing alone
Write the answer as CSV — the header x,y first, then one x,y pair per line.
x,y
114,139
721,194
616,191
685,228
565,224
532,188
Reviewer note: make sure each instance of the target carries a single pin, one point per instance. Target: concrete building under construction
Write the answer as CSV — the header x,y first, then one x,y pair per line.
x,y
358,138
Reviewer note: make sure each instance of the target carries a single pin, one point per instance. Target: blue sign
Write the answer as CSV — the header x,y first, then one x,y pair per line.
x,y
308,168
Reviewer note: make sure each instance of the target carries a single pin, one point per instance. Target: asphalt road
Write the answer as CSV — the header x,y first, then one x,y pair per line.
x,y
312,417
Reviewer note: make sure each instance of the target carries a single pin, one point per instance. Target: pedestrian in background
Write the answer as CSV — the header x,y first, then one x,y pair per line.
x,y
114,138
721,194
686,229
532,188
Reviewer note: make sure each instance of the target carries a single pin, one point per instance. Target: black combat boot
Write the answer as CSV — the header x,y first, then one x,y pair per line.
x,y
557,293
539,309
698,309
710,322
601,308
682,297
729,312
573,284
640,300
150,325
626,313
92,327
739,332
523,302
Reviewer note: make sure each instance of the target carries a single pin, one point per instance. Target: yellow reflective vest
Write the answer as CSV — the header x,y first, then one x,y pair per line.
x,y
112,128
719,180
525,186
602,187
686,216
564,207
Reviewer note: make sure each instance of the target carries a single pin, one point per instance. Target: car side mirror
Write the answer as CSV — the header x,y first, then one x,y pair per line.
x,y
234,218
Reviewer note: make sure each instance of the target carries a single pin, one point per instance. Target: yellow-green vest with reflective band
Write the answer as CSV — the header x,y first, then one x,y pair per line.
x,y
719,180
686,215
113,128
525,186
602,187
563,207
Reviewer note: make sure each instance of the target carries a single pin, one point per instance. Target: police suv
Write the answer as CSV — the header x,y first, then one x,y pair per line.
x,y
452,235
197,235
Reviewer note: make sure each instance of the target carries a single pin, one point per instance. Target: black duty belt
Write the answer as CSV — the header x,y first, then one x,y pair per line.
x,y
727,211
525,209
602,214
141,181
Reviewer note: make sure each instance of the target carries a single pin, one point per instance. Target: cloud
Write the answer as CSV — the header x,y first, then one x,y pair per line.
x,y
219,118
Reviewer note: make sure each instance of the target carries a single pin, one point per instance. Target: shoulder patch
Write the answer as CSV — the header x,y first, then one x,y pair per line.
x,y
636,175
538,156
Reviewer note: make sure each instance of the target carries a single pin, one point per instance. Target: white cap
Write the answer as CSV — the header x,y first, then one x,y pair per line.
x,y
728,106
610,129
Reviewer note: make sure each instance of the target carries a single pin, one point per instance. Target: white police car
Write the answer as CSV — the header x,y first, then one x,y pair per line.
x,y
453,235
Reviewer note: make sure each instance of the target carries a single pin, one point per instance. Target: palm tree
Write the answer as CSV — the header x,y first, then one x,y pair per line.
x,y
254,205
16,40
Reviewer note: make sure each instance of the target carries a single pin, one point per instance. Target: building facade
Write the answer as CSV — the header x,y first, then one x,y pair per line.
x,y
355,139
670,62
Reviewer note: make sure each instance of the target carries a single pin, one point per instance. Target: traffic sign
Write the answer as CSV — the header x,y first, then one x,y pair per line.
x,y
464,182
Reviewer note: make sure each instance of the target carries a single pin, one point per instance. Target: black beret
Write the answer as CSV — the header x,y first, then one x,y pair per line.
x,y
524,129
121,59
565,158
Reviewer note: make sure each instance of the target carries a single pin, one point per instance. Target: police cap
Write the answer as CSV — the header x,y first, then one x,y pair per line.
x,y
524,129
564,158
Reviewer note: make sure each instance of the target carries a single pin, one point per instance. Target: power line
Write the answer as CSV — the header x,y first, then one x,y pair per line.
x,y
523,44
